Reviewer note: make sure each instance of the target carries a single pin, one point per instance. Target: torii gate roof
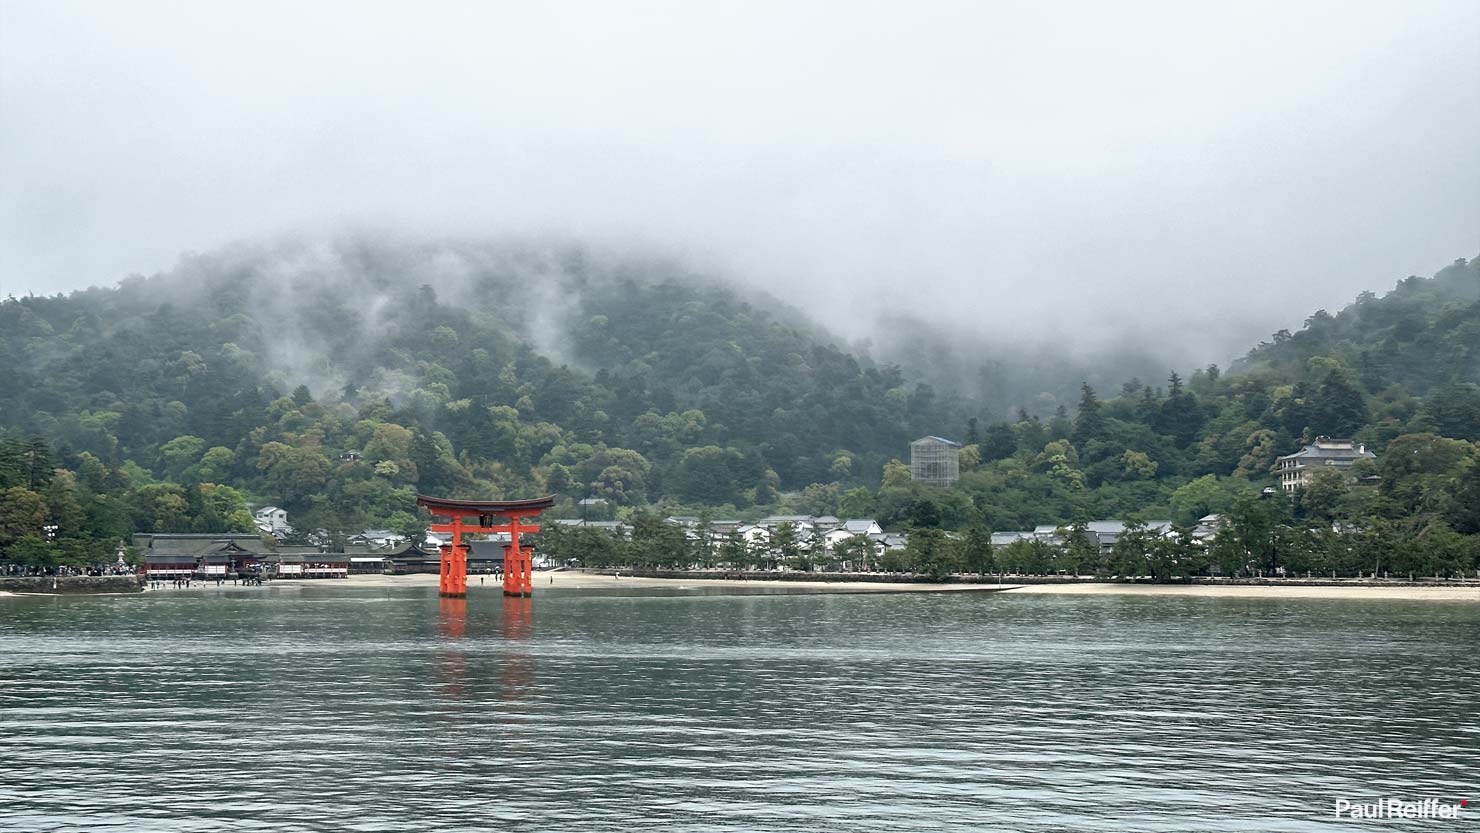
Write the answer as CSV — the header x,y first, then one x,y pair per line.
x,y
452,506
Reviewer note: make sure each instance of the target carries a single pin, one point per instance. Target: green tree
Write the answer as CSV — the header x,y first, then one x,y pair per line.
x,y
1453,411
1081,550
22,514
33,552
1252,522
1089,423
1137,465
1464,512
1418,470
37,463
214,465
930,553
732,551
656,543
63,512
160,507
1131,554
708,475
179,454
785,545
976,550
294,474
858,549
998,443
1324,497
1339,408
1197,498
1180,415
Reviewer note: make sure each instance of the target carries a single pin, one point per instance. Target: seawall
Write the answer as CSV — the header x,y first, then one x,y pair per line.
x,y
72,584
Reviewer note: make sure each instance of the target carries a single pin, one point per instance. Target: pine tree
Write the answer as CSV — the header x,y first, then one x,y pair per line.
x,y
36,463
976,550
12,464
1339,408
1089,423
1180,416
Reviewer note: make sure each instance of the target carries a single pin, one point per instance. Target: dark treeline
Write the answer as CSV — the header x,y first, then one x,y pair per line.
x,y
337,386
1261,536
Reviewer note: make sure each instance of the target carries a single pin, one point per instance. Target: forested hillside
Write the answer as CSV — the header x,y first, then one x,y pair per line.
x,y
338,380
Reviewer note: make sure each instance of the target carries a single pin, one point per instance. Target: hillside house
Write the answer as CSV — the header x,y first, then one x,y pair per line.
x,y
614,527
377,538
890,540
801,523
1207,527
754,535
1296,471
848,529
272,520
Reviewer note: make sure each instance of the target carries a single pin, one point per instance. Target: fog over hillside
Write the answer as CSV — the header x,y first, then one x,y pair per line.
x,y
1150,179
321,306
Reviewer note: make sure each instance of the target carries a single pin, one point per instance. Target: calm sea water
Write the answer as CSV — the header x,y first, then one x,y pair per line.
x,y
306,709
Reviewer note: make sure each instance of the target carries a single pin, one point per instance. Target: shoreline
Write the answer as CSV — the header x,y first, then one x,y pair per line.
x,y
569,579
1363,592
574,580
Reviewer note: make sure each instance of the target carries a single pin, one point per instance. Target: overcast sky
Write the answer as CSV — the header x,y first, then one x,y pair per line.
x,y
1202,174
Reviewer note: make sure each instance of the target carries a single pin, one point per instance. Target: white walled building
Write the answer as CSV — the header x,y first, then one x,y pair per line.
x,y
271,520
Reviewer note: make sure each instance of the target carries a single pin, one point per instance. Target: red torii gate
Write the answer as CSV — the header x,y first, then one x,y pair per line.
x,y
482,514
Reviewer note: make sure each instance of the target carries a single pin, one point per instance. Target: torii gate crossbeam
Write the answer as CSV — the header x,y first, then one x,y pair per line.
x,y
481,516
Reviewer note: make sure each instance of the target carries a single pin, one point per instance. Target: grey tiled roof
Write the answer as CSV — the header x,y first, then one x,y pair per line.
x,y
196,544
1316,451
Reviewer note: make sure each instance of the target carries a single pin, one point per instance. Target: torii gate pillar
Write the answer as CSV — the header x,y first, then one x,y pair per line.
x,y
481,517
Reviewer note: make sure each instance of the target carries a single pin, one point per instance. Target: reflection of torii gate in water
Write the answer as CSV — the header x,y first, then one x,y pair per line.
x,y
481,518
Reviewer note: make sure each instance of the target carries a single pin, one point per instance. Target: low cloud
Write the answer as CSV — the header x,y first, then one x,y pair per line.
x,y
1190,179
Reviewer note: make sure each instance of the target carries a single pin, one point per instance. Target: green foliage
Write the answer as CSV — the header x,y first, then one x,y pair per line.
x,y
976,550
858,549
161,405
23,514
1198,498
930,553
1080,553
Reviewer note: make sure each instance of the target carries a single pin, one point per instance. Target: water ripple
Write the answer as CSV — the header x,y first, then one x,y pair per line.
x,y
383,710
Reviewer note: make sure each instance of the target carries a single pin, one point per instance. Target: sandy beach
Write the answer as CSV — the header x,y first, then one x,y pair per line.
x,y
1433,594
576,579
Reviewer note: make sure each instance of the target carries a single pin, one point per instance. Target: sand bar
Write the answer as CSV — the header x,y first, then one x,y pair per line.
x,y
1259,591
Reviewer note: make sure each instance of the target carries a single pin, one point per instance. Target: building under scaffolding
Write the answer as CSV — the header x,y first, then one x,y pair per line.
x,y
935,461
